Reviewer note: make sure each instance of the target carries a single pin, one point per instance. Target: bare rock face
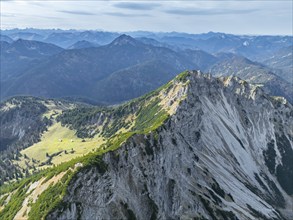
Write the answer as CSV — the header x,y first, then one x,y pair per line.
x,y
225,154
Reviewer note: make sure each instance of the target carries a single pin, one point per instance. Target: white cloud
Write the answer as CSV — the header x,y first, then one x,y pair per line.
x,y
250,17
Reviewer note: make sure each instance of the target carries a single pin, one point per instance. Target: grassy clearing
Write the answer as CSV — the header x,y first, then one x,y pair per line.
x,y
57,139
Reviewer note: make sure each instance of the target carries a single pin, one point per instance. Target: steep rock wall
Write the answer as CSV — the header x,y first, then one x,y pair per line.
x,y
225,154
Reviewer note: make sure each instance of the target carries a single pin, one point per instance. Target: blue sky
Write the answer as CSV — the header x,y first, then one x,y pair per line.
x,y
238,17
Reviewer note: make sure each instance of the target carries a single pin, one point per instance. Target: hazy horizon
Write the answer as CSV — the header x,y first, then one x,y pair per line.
x,y
135,31
236,17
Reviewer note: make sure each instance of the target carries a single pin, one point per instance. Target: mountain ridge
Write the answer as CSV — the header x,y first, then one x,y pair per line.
x,y
21,55
208,156
157,169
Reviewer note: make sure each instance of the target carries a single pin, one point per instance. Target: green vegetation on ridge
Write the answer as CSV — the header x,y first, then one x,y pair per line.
x,y
150,117
115,125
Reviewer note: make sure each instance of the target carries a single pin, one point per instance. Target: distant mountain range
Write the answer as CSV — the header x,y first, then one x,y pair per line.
x,y
255,73
5,38
86,72
63,38
282,60
125,67
83,44
22,55
253,47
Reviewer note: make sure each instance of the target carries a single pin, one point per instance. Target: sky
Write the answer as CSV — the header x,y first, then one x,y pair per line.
x,y
190,16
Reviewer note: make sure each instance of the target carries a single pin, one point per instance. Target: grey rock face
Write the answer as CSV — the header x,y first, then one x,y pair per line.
x,y
225,154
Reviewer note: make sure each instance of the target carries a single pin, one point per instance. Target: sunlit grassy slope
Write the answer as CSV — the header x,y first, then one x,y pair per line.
x,y
59,139
58,142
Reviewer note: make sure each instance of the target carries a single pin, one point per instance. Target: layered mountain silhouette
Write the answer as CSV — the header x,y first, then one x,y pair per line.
x,y
80,72
133,65
255,73
21,55
282,60
83,44
5,38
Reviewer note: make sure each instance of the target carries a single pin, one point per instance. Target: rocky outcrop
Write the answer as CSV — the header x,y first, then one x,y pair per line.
x,y
226,153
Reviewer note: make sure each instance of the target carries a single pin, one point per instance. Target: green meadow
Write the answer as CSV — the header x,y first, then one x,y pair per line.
x,y
62,141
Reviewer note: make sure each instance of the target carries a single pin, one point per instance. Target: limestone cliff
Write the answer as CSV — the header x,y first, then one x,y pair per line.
x,y
224,153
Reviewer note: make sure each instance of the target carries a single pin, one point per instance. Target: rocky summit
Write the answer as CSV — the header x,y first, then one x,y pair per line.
x,y
225,153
